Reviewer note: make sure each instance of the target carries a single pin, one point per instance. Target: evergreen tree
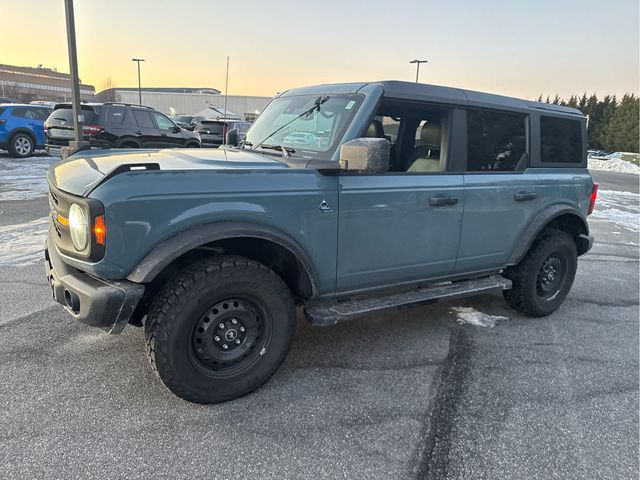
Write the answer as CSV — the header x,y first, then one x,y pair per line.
x,y
621,131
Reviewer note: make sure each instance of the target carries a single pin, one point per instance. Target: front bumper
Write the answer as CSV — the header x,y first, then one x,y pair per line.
x,y
90,300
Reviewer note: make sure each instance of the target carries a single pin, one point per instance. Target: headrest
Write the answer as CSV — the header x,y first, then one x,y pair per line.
x,y
375,130
430,134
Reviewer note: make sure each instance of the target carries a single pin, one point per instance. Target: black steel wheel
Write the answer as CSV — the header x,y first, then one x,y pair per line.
x,y
230,336
219,329
543,278
551,275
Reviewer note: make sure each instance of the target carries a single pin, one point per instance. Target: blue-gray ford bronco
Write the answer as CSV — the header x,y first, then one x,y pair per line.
x,y
343,200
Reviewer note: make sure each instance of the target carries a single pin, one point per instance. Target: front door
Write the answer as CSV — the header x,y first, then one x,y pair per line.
x,y
401,226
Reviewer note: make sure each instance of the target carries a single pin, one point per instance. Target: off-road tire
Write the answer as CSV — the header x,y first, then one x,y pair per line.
x,y
525,296
21,145
184,301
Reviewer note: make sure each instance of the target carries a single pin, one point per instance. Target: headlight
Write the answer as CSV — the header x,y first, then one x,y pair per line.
x,y
78,227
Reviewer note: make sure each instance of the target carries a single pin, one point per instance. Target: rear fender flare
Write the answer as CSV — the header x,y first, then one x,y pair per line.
x,y
539,223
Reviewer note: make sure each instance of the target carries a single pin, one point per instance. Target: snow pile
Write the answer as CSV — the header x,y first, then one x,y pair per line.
x,y
471,316
23,244
613,165
620,208
24,179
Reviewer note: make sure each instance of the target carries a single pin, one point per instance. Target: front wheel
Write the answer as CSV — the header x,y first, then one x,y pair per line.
x,y
219,329
543,278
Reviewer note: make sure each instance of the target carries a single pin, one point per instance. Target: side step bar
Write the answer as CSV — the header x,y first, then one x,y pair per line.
x,y
329,312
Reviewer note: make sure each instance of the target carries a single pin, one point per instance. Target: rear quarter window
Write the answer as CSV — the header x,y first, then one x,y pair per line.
x,y
560,140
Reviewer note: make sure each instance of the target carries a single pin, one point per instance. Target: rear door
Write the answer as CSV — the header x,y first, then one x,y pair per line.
x,y
402,226
501,193
145,129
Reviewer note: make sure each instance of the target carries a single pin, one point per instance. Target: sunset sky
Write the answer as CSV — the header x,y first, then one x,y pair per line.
x,y
521,48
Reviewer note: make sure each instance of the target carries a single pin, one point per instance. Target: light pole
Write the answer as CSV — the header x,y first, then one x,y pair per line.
x,y
75,81
418,62
138,60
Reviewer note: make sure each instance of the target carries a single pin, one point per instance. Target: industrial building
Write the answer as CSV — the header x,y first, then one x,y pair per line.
x,y
188,101
25,84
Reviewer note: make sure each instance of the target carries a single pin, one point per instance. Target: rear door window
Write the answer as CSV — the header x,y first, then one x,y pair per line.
x,y
560,140
115,115
497,141
143,119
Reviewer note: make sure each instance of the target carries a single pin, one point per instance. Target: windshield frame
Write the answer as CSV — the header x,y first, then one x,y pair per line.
x,y
299,151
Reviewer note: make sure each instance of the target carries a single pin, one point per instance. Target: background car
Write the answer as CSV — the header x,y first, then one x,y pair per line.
x,y
117,125
300,138
626,156
212,132
22,128
188,122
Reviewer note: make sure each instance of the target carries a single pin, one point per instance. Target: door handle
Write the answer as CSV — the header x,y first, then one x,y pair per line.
x,y
442,200
525,196
138,132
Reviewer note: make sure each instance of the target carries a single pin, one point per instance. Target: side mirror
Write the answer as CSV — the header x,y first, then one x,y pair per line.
x,y
232,137
176,129
367,155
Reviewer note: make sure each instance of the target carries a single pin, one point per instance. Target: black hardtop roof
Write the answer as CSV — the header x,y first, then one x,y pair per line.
x,y
438,94
423,91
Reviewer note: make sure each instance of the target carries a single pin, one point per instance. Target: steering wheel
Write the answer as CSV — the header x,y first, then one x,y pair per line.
x,y
326,114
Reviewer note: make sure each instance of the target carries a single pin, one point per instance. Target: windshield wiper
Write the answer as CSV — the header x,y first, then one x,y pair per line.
x,y
316,106
285,150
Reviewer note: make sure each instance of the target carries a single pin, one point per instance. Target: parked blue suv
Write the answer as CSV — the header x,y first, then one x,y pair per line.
x,y
22,128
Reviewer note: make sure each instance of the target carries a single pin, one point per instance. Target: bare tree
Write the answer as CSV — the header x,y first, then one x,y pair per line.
x,y
108,93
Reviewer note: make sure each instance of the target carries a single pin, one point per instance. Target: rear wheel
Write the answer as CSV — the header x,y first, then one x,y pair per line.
x,y
220,329
21,145
543,278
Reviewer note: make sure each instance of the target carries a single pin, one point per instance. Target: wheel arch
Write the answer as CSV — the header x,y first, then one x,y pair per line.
x,y
27,132
129,140
261,243
559,217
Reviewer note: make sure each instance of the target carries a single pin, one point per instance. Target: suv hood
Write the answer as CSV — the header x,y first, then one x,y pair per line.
x,y
82,172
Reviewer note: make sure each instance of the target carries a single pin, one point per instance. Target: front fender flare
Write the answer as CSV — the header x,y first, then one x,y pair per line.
x,y
172,248
539,222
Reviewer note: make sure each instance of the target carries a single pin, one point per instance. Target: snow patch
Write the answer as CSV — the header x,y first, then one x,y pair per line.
x,y
613,165
24,178
620,208
23,244
471,316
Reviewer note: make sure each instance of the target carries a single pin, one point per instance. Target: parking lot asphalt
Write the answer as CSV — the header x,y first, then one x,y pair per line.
x,y
406,394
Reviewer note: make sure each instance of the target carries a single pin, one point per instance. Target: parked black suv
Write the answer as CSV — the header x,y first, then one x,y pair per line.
x,y
212,132
117,125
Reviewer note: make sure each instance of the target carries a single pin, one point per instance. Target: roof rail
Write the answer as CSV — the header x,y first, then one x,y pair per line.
x,y
128,105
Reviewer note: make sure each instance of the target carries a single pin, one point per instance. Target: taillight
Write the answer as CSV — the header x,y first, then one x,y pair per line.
x,y
91,129
594,194
99,229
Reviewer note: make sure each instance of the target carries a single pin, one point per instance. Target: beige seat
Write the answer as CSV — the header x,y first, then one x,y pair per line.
x,y
426,156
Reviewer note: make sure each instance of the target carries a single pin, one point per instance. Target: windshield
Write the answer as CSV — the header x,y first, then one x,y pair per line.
x,y
315,134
